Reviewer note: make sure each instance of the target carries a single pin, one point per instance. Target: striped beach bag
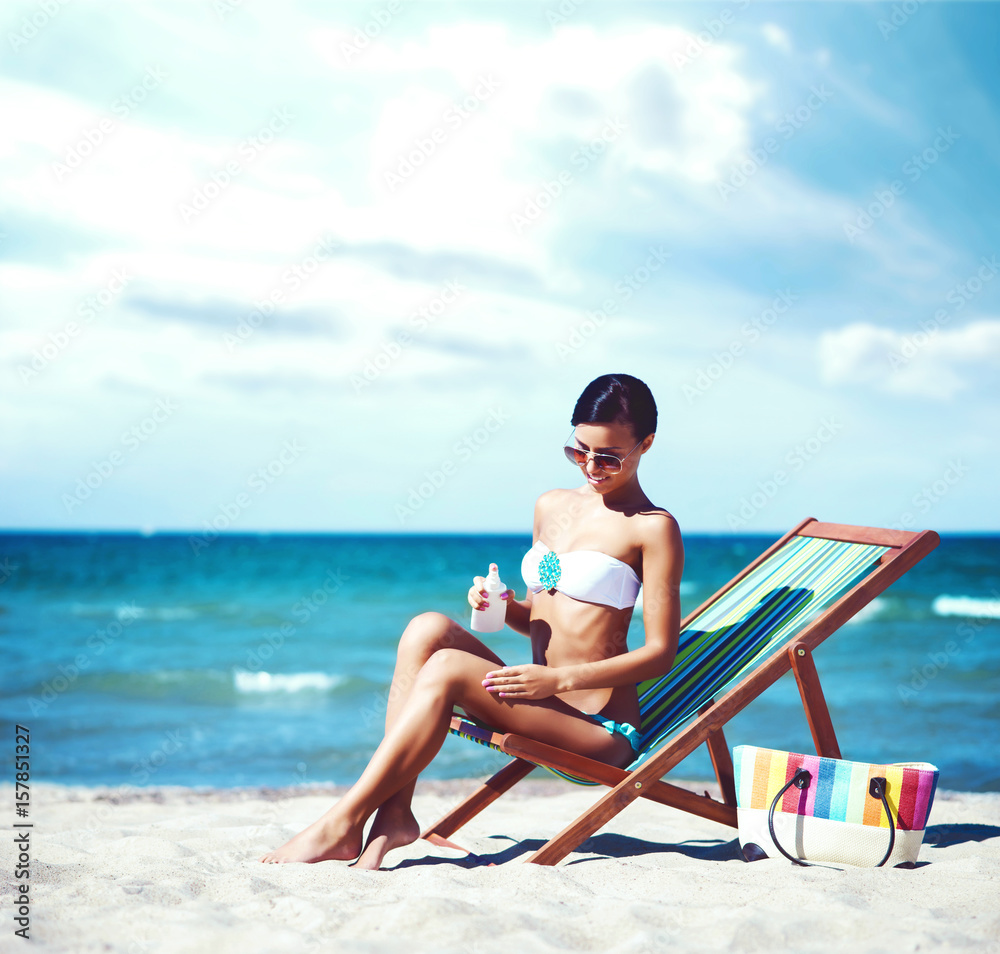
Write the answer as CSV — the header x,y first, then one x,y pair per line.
x,y
814,809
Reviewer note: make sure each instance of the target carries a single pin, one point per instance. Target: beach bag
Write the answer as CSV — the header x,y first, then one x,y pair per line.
x,y
814,809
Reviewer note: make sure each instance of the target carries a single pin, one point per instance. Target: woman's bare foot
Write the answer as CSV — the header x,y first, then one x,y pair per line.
x,y
391,829
326,839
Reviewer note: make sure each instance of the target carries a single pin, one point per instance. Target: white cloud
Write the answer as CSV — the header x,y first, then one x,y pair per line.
x,y
934,362
777,37
688,120
515,111
678,122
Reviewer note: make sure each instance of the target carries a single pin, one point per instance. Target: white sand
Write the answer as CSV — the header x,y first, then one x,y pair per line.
x,y
175,870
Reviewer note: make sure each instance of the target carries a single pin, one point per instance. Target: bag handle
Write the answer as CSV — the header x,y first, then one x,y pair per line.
x,y
800,780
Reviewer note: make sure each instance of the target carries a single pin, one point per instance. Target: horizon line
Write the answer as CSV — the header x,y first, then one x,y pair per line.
x,y
136,531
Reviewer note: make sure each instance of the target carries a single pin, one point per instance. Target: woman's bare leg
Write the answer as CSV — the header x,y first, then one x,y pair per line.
x,y
394,825
450,676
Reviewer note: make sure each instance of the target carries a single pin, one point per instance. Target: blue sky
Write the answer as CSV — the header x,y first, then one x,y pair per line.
x,y
285,267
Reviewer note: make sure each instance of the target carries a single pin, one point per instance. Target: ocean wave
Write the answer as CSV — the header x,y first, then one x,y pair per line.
x,y
131,611
974,606
246,681
225,687
165,613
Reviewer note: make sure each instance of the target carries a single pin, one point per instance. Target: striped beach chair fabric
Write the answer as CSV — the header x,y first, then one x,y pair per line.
x,y
766,621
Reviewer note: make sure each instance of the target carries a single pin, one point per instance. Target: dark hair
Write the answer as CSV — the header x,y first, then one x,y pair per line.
x,y
617,397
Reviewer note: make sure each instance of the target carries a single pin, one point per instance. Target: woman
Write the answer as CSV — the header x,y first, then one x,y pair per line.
x,y
592,547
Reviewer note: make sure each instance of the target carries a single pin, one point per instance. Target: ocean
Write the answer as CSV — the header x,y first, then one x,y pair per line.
x,y
264,660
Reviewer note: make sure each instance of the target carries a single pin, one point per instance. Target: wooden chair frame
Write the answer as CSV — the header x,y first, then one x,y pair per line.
x,y
645,781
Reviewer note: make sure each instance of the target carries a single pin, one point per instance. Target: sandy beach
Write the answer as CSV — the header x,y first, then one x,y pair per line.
x,y
175,869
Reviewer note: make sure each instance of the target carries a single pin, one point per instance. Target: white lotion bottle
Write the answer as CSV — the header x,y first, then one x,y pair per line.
x,y
491,619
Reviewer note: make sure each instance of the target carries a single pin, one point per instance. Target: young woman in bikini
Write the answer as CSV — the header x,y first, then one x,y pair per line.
x,y
593,545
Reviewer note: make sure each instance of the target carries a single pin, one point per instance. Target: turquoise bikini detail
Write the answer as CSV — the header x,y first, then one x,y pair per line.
x,y
586,575
549,570
622,728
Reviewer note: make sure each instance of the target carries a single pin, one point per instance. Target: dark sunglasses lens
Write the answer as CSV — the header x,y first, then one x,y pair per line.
x,y
606,462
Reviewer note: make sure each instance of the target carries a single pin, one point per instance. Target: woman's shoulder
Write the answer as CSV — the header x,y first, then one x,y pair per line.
x,y
657,525
554,497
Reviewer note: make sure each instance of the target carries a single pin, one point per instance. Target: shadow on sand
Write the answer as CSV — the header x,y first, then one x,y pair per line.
x,y
601,846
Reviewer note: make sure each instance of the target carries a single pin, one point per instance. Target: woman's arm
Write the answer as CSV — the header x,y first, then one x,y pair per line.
x,y
519,611
662,565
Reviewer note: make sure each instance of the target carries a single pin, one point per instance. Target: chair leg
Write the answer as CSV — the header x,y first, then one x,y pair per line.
x,y
722,762
488,792
631,786
813,701
656,790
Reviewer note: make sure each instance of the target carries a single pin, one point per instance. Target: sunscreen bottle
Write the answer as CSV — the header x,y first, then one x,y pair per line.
x,y
491,619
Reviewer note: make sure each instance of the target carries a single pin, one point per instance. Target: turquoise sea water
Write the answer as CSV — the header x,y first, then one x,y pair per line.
x,y
265,660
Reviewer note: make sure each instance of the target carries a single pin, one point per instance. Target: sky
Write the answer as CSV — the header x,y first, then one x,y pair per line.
x,y
305,266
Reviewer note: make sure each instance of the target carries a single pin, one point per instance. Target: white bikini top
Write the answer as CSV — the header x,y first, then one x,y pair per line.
x,y
587,575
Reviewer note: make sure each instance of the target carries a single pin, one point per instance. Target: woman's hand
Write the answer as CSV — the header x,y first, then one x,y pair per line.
x,y
477,593
522,682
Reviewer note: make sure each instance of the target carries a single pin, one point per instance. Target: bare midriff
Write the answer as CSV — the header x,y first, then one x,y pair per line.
x,y
569,632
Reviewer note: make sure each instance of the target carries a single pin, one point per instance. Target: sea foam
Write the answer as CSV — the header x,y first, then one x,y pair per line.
x,y
246,681
974,606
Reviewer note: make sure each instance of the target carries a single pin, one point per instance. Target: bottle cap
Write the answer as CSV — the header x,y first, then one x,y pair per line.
x,y
493,578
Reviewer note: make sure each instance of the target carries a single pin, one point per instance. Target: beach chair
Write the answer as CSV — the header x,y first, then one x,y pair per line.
x,y
766,620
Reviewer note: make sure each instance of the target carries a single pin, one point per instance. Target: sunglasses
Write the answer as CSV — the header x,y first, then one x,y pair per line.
x,y
606,462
